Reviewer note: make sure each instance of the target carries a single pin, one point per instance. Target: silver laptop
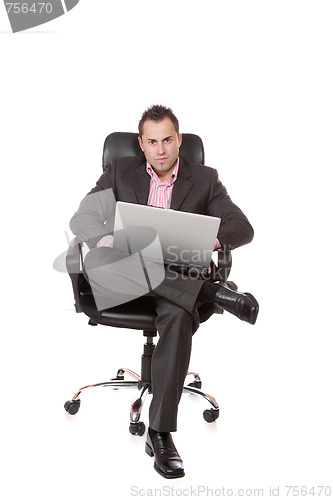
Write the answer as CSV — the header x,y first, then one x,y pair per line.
x,y
165,234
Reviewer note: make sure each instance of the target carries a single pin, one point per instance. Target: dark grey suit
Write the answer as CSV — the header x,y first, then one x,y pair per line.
x,y
197,190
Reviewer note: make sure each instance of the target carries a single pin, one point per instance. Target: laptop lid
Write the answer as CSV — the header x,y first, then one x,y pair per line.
x,y
184,238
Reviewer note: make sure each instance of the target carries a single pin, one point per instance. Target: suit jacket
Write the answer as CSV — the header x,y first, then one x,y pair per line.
x,y
197,190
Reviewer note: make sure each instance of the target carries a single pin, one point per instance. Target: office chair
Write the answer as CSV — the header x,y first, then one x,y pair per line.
x,y
139,314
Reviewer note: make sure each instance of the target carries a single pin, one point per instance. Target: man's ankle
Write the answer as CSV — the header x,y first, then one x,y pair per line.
x,y
208,292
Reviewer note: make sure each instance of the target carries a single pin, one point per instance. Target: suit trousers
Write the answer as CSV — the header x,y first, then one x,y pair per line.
x,y
175,297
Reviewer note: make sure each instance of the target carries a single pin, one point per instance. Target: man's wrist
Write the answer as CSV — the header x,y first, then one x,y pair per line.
x,y
217,245
106,241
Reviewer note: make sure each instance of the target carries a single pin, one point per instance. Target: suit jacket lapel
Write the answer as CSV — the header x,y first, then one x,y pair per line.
x,y
182,185
141,182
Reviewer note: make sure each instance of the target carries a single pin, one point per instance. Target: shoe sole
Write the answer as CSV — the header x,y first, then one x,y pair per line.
x,y
254,318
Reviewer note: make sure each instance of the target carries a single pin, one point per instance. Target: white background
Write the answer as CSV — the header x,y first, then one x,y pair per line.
x,y
254,79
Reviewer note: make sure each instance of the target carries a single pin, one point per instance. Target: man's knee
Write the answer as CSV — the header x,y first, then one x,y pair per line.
x,y
178,319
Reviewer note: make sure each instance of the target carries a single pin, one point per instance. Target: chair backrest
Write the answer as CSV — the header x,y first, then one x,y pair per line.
x,y
120,144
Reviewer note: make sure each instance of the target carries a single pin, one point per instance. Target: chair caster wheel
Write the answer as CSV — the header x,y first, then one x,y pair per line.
x,y
195,384
211,415
72,406
137,428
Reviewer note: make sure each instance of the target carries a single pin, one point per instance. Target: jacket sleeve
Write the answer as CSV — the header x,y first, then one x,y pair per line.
x,y
235,229
95,215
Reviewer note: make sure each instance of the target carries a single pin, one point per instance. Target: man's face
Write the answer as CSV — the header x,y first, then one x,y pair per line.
x,y
160,144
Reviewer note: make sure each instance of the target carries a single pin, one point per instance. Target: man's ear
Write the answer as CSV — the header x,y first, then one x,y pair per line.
x,y
140,142
180,139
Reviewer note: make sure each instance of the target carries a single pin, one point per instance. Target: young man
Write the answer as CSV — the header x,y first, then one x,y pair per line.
x,y
163,179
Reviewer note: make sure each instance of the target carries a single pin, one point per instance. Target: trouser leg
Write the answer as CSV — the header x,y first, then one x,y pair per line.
x,y
170,362
177,319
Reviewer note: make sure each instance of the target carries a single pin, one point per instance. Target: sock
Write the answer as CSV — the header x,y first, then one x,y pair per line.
x,y
153,432
208,292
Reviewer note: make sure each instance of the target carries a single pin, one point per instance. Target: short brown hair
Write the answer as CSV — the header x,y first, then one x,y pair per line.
x,y
157,113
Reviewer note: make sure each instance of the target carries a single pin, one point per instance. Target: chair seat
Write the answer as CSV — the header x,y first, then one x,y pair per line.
x,y
139,314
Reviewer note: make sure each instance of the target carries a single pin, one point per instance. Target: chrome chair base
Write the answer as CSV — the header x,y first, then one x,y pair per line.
x,y
137,427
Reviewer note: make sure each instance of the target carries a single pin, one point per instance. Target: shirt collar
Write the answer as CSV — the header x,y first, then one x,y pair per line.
x,y
173,176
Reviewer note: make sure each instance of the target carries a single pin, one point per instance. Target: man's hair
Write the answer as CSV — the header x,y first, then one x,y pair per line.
x,y
157,113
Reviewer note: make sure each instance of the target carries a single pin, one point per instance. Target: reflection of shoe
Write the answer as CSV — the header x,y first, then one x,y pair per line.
x,y
167,460
242,305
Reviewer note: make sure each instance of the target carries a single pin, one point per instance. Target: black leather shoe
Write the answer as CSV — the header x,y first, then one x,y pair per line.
x,y
167,460
242,305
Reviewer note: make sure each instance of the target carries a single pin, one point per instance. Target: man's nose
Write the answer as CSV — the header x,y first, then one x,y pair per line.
x,y
160,148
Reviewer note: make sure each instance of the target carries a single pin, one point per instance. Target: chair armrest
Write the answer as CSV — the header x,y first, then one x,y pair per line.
x,y
221,271
74,266
73,257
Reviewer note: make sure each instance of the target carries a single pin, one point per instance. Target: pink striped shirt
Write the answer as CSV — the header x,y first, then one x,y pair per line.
x,y
160,193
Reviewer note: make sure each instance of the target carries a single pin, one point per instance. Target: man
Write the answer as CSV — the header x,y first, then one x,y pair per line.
x,y
166,180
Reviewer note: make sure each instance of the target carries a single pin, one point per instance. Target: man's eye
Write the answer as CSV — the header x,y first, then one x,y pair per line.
x,y
151,142
167,140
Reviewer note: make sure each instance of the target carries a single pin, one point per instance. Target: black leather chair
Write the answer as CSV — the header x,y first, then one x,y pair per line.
x,y
138,314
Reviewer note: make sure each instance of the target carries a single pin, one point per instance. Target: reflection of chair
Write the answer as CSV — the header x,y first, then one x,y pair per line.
x,y
140,313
